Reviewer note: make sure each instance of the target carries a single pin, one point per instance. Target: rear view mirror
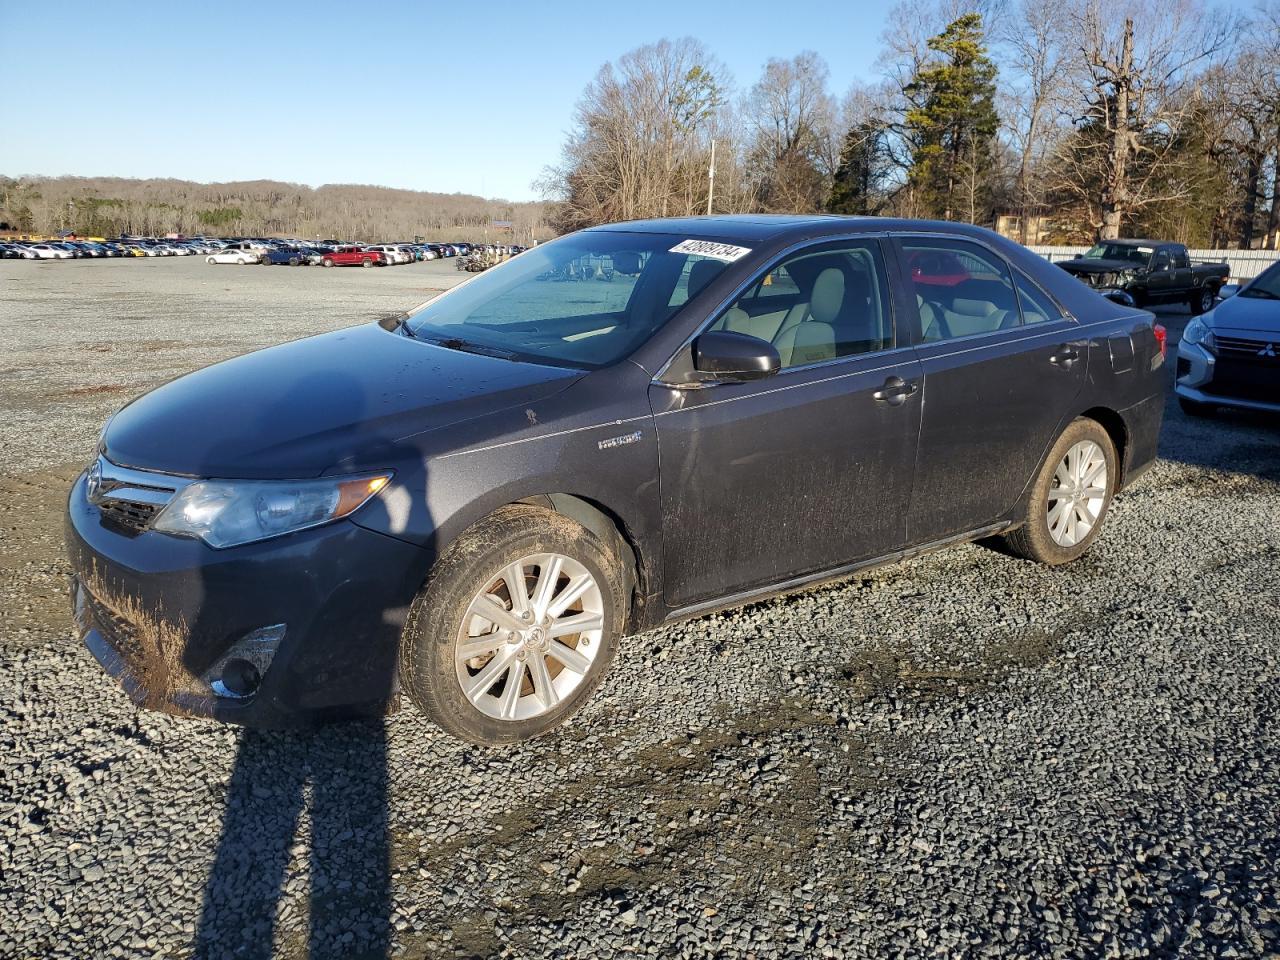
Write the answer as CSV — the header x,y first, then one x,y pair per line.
x,y
626,262
735,356
1228,290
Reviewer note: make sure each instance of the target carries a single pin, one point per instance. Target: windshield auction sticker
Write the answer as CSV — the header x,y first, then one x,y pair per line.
x,y
716,251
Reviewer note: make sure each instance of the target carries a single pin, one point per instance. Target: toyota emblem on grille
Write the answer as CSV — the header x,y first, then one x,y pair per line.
x,y
1268,351
94,482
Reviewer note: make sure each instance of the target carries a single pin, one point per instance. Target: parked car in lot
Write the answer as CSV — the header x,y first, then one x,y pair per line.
x,y
354,257
1230,356
240,257
1151,272
49,251
472,503
287,256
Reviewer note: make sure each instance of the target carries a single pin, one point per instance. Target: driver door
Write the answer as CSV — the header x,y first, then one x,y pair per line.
x,y
807,470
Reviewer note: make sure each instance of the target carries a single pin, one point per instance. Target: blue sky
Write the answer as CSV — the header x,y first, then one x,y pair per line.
x,y
448,96
360,91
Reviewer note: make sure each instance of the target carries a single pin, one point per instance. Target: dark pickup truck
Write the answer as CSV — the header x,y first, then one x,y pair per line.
x,y
1151,272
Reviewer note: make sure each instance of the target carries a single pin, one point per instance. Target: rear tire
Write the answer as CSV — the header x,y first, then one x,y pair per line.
x,y
1202,300
366,262
326,262
1070,498
538,676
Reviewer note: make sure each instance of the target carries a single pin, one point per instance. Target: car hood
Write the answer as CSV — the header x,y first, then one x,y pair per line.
x,y
1097,266
1249,315
296,410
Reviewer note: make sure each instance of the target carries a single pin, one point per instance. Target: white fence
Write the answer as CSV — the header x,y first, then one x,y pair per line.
x,y
1244,264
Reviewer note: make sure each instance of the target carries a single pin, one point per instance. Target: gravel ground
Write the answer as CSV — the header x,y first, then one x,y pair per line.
x,y
961,755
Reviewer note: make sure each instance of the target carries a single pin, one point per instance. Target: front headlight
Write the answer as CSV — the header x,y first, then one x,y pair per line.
x,y
1198,332
227,513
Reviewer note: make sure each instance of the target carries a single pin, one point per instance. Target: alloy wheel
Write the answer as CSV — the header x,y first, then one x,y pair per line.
x,y
1078,494
530,637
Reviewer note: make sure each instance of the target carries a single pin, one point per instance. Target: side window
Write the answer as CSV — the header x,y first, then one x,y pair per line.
x,y
961,289
1180,258
1161,261
1037,307
833,303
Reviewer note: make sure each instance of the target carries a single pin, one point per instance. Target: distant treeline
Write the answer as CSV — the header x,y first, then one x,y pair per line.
x,y
110,206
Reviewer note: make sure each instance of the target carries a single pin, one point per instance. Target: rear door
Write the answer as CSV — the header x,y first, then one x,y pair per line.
x,y
809,469
1003,365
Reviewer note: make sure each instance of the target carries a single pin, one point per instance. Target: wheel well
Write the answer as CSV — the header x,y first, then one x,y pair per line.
x,y
609,527
1113,423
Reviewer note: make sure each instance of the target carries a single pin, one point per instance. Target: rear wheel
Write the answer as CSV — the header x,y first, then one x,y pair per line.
x,y
1071,496
515,628
293,261
326,262
1202,300
366,262
241,261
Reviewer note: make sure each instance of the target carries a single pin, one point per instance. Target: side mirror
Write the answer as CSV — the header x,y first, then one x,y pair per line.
x,y
1228,290
1078,256
735,356
1120,297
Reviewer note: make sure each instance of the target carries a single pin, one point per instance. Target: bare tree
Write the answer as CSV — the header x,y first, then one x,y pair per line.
x,y
794,147
1140,88
641,139
1040,72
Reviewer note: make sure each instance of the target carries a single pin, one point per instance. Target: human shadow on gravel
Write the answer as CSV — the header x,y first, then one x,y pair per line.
x,y
345,841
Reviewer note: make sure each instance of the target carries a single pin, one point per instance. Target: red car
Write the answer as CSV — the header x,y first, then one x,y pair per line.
x,y
354,257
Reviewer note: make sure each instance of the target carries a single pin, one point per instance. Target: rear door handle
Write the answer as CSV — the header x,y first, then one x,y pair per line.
x,y
895,391
1066,356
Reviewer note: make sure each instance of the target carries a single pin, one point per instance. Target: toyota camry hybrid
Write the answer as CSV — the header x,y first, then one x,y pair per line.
x,y
471,505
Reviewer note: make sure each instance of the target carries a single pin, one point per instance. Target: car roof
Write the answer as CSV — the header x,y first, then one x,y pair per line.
x,y
758,227
1136,242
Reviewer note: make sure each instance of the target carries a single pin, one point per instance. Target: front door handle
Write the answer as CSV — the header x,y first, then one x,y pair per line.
x,y
895,391
1066,356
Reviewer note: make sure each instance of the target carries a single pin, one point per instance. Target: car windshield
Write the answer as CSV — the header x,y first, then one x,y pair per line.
x,y
586,300
1266,286
1119,251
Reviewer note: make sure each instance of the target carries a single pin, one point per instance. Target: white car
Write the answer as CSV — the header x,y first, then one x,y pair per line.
x,y
393,253
241,257
46,251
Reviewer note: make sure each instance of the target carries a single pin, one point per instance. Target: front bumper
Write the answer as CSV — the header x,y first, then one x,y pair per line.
x,y
1197,381
160,612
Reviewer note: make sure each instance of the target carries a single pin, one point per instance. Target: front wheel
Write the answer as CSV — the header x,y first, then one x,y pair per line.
x,y
1071,496
1202,301
326,262
515,628
366,262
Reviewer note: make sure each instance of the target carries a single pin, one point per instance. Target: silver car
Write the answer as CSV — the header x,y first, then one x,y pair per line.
x,y
1230,356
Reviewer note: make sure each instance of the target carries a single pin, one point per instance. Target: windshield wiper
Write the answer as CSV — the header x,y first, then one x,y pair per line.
x,y
465,346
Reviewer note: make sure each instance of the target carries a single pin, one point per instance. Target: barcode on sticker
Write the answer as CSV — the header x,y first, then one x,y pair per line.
x,y
707,248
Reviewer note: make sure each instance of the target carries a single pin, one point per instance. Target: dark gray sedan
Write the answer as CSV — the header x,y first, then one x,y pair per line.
x,y
472,505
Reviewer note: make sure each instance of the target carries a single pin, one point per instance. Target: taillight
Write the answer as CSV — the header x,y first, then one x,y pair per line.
x,y
1162,339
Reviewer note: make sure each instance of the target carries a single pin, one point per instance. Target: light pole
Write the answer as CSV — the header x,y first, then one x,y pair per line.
x,y
711,178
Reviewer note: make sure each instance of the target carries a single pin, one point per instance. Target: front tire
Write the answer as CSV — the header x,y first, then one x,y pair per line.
x,y
1071,496
326,262
515,628
366,262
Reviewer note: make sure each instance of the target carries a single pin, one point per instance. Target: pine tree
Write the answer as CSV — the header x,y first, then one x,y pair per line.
x,y
952,125
856,187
